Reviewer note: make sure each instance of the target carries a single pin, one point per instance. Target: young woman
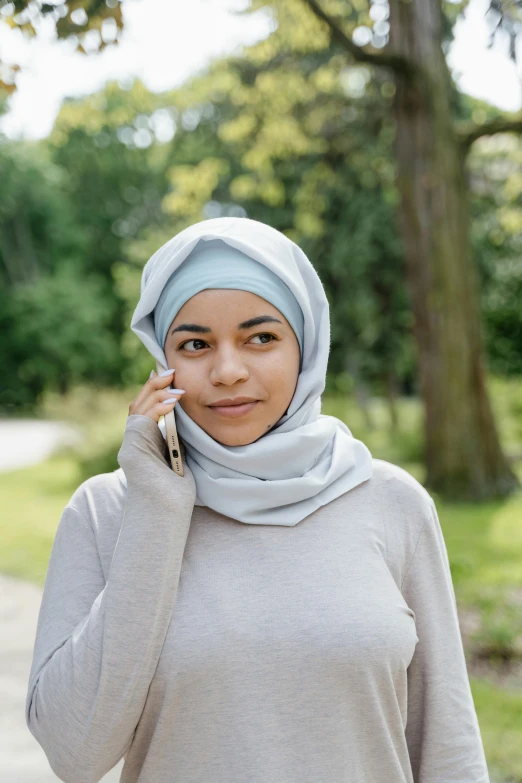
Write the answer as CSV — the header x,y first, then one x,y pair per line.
x,y
282,613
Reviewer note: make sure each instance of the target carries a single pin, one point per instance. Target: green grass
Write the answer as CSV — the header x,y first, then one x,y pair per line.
x,y
500,718
32,502
33,498
484,541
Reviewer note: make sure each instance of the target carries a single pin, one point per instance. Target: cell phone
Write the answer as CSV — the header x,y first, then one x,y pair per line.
x,y
172,434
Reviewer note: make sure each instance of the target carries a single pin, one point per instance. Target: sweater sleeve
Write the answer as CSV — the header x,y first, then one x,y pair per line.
x,y
442,731
98,644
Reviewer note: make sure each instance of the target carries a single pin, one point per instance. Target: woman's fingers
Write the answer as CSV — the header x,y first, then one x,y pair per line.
x,y
153,384
156,398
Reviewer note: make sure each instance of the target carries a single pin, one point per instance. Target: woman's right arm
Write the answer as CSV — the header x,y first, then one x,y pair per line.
x,y
98,644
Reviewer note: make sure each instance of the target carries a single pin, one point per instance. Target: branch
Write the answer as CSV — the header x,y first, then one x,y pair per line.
x,y
398,64
468,132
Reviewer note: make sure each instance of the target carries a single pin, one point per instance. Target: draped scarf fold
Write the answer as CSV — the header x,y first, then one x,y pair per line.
x,y
308,458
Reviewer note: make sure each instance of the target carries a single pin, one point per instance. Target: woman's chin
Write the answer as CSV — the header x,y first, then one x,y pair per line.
x,y
234,439
233,435
237,431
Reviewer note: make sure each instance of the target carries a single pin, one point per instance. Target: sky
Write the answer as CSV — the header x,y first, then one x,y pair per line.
x,y
190,35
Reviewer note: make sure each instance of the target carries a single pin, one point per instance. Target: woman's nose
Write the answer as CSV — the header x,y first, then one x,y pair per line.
x,y
228,368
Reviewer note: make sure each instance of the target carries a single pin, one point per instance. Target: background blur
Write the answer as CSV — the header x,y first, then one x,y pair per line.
x,y
122,123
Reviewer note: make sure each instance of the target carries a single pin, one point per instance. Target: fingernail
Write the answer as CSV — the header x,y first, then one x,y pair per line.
x,y
167,372
151,373
175,391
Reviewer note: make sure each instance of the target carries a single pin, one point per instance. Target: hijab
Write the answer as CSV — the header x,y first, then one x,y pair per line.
x,y
214,264
308,458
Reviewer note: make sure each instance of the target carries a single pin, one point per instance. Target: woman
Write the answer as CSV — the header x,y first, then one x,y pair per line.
x,y
282,613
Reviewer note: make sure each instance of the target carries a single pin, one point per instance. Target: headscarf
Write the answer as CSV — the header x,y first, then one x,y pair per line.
x,y
308,458
214,264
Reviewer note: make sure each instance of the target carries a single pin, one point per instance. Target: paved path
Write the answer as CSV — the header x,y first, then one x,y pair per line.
x,y
22,760
30,441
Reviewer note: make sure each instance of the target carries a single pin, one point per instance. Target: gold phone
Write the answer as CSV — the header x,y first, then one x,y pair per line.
x,y
172,434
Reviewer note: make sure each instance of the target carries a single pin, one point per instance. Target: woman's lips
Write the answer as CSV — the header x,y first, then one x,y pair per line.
x,y
232,411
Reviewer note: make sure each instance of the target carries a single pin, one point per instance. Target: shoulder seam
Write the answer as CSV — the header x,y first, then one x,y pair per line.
x,y
414,552
81,514
386,558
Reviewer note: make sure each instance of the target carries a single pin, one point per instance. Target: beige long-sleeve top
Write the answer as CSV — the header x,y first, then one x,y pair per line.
x,y
206,650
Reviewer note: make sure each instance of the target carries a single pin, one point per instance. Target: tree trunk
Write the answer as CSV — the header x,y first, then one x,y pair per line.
x,y
463,452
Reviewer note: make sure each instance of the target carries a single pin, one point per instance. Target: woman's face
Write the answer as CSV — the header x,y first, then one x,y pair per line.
x,y
215,358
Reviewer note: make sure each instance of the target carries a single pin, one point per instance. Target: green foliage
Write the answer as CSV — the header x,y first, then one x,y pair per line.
x,y
292,133
400,444
294,149
103,462
59,328
496,182
55,316
500,635
115,185
37,224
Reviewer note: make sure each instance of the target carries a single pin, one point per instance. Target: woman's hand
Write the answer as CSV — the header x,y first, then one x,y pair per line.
x,y
143,454
154,399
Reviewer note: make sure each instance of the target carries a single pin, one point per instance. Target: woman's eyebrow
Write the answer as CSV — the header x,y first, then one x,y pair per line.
x,y
259,319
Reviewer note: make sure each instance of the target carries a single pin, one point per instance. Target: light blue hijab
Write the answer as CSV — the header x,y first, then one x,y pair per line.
x,y
308,458
214,264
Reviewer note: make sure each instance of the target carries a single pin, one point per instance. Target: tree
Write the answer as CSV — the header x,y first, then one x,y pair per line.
x,y
288,114
495,169
55,314
268,138
89,24
464,458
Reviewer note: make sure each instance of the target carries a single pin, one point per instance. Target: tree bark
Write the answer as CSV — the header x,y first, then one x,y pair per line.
x,y
464,459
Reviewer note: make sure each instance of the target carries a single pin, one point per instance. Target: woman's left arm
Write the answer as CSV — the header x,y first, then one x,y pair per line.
x,y
442,731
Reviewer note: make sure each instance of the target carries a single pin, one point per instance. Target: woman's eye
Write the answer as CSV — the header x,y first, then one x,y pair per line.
x,y
184,345
263,334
